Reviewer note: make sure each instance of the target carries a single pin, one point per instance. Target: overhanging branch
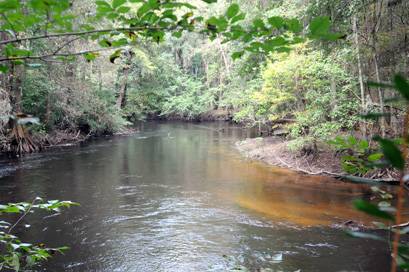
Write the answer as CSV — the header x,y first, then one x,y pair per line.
x,y
42,57
81,33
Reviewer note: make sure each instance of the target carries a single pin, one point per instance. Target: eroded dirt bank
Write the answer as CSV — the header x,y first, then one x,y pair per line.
x,y
275,151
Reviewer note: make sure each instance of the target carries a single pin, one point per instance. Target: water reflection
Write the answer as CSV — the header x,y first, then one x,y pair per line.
x,y
178,197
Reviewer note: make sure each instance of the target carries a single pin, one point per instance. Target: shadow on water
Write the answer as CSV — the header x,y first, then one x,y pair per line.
x,y
178,197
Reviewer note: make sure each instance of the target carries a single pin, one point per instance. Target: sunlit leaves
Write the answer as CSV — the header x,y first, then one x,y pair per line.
x,y
320,28
9,5
276,22
217,24
117,3
17,255
357,156
90,56
103,7
232,11
123,9
105,43
153,19
15,52
177,34
22,207
259,24
237,55
375,157
241,16
115,55
294,25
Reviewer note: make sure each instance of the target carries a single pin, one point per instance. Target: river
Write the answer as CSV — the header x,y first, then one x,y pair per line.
x,y
179,197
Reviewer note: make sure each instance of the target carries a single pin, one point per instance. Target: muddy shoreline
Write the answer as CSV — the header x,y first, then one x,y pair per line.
x,y
274,151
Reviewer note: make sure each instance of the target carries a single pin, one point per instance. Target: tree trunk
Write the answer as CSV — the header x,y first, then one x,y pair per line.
x,y
48,100
120,102
16,91
100,78
333,94
224,56
360,75
380,95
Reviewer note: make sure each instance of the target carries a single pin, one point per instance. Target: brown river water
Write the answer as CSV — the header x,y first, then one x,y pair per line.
x,y
179,197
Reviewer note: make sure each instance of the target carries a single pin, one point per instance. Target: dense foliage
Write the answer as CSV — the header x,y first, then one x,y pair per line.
x,y
15,254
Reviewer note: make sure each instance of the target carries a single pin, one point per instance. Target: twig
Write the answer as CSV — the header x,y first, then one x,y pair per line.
x,y
22,217
401,225
60,54
65,44
81,33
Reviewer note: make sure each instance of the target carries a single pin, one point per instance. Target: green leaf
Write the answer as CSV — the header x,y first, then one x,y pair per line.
x,y
177,34
365,235
9,5
402,85
259,24
117,3
374,115
105,43
375,157
220,24
144,9
115,55
123,9
391,152
273,43
237,55
237,18
90,56
232,11
294,25
102,3
4,68
372,209
363,144
276,22
120,42
210,1
320,26
9,209
15,263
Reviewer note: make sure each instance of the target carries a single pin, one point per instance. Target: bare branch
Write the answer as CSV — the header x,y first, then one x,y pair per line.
x,y
65,44
42,57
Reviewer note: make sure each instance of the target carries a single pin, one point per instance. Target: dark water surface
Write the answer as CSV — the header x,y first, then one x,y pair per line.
x,y
178,197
